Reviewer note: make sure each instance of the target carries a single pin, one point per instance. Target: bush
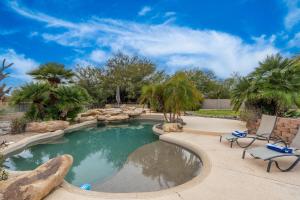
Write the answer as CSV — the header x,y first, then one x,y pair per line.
x,y
18,125
3,173
292,113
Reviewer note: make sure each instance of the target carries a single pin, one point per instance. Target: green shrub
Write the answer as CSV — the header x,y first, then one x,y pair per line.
x,y
3,173
18,125
292,113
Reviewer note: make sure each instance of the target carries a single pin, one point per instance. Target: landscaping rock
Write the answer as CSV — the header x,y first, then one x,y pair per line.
x,y
84,119
5,127
48,126
37,184
93,112
172,127
134,113
101,118
118,117
112,111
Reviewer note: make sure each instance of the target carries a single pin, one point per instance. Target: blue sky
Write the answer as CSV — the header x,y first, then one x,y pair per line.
x,y
224,36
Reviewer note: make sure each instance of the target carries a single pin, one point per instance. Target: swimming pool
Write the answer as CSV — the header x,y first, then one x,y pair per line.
x,y
123,157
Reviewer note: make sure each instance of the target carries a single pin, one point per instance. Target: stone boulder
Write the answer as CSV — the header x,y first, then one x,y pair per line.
x,y
112,111
37,184
118,117
101,117
47,126
134,112
93,112
84,119
5,127
172,127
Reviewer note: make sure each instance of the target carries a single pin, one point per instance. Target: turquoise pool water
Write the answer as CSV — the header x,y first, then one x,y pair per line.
x,y
101,152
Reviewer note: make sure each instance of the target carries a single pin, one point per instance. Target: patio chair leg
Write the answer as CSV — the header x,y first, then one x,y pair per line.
x,y
244,152
269,165
231,143
220,138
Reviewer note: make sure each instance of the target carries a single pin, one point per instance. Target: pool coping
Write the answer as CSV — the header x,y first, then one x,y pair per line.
x,y
32,140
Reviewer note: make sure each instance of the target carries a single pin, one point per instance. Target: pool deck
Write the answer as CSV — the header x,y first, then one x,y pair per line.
x,y
225,175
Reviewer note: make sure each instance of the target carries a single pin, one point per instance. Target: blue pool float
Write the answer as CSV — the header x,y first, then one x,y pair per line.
x,y
86,186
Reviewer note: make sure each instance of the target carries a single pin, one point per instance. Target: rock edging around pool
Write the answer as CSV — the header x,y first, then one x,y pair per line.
x,y
26,142
42,137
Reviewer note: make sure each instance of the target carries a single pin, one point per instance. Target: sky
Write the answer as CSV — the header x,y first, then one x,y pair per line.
x,y
219,35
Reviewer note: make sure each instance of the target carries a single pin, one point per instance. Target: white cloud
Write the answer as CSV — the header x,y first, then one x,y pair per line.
x,y
4,32
295,41
21,66
293,16
145,10
170,14
173,46
98,56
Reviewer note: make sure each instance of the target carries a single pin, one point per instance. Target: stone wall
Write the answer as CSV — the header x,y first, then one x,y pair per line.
x,y
285,128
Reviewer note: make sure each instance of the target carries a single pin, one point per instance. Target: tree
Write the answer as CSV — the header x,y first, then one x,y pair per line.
x,y
172,97
70,102
128,73
53,73
273,87
93,79
208,83
51,97
3,75
35,93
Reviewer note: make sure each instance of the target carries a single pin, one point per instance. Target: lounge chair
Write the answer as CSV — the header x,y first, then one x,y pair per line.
x,y
263,132
270,155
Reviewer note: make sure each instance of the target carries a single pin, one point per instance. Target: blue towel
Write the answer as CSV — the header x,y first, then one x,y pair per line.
x,y
85,186
239,133
280,149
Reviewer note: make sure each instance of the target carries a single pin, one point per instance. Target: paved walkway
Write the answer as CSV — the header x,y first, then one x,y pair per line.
x,y
229,176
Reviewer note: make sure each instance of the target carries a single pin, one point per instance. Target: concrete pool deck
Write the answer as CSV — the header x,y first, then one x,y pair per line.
x,y
225,175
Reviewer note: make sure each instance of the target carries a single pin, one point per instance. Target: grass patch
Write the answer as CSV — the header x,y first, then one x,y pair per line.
x,y
216,113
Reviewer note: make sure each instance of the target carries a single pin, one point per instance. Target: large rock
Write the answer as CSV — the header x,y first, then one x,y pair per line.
x,y
5,127
93,112
134,112
118,117
48,126
84,119
112,111
101,117
172,127
37,184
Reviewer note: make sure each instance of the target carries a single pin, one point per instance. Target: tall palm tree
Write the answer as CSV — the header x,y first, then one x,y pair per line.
x,y
3,75
53,73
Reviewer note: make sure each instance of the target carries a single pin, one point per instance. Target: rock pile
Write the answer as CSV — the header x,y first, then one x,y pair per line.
x,y
47,126
37,184
5,127
110,114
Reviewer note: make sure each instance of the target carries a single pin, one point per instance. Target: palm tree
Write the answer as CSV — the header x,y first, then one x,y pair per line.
x,y
176,95
35,93
3,75
71,101
180,94
273,87
53,73
49,98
